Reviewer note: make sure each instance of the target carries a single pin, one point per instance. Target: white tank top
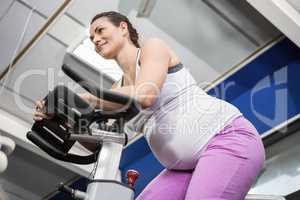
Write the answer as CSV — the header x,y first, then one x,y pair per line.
x,y
181,121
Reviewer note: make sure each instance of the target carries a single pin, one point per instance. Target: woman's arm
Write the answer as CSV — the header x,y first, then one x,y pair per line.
x,y
154,59
154,66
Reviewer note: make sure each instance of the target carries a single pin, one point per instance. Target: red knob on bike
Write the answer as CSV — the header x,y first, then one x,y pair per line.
x,y
132,176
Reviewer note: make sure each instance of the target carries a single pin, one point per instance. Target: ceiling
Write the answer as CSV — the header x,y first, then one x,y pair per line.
x,y
205,35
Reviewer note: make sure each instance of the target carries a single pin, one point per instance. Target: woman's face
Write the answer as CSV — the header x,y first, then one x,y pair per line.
x,y
108,38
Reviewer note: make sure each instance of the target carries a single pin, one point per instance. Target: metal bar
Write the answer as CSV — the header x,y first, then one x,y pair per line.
x,y
57,40
37,36
109,161
74,19
21,95
105,137
26,4
287,128
7,10
55,192
244,62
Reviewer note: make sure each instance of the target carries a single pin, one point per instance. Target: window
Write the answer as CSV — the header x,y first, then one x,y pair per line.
x,y
85,51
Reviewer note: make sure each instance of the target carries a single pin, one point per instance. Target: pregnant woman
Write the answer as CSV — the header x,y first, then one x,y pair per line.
x,y
209,149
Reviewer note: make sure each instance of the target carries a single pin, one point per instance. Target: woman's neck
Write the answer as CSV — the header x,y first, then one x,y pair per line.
x,y
126,58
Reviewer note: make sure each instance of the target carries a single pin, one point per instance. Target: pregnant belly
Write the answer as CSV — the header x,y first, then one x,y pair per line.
x,y
180,129
175,139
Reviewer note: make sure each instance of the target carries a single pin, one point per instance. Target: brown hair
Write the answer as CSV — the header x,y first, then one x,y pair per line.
x,y
116,18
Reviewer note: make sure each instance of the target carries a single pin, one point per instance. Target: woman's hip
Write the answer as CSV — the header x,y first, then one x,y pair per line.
x,y
240,139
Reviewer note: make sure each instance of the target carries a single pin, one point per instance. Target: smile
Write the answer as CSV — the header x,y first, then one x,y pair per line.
x,y
99,47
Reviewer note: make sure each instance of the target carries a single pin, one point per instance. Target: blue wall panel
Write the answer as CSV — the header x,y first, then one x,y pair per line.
x,y
148,168
134,152
266,90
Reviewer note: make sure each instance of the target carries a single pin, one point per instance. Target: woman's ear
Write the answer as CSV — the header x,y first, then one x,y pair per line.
x,y
124,28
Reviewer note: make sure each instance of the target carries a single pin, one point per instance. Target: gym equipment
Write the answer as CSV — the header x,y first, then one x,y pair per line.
x,y
75,120
7,146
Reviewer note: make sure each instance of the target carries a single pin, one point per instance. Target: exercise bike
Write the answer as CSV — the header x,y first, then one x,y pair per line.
x,y
7,146
75,120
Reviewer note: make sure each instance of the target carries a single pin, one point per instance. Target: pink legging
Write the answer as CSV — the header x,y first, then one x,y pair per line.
x,y
225,171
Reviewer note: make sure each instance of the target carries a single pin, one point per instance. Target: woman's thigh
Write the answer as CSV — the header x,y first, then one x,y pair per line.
x,y
168,185
229,165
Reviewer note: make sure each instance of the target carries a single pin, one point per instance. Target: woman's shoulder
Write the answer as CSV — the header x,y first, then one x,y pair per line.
x,y
154,46
158,46
153,41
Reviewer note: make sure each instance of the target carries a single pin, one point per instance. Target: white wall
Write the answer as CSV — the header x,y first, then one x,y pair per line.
x,y
195,64
282,14
295,4
214,30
